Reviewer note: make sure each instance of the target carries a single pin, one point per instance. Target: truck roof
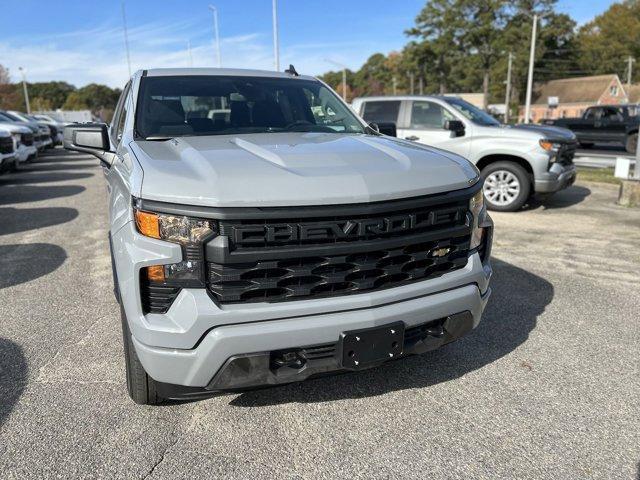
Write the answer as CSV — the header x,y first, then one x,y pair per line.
x,y
233,72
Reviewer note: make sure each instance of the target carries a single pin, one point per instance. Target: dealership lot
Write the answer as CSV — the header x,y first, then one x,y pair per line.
x,y
546,387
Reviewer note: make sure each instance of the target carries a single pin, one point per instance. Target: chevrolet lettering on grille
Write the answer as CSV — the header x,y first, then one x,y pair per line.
x,y
341,229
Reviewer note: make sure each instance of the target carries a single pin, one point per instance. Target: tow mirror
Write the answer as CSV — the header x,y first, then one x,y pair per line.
x,y
90,138
455,126
386,128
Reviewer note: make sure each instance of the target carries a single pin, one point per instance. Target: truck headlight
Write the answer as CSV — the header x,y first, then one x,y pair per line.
x,y
190,233
549,146
478,210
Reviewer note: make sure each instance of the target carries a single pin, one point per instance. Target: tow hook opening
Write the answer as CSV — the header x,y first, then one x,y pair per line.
x,y
287,358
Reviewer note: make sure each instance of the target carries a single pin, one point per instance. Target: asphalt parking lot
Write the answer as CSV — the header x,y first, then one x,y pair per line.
x,y
547,387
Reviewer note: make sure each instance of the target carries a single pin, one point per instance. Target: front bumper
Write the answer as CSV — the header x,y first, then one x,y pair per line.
x,y
239,356
192,342
557,178
26,152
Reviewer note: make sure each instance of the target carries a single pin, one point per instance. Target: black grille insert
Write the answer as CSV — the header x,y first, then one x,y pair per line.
x,y
279,254
312,277
6,145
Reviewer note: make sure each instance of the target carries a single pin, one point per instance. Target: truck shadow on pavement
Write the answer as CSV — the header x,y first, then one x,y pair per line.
x,y
13,376
15,220
518,298
28,193
26,262
43,177
562,199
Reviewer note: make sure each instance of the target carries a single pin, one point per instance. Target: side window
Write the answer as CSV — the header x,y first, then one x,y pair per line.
x,y
119,116
428,115
612,114
590,114
382,111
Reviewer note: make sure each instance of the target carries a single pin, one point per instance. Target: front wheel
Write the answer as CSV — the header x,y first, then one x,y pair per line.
x,y
506,186
632,143
141,387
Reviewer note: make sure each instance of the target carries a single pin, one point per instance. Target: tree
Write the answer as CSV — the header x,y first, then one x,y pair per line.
x,y
483,23
53,93
608,40
439,25
93,97
374,77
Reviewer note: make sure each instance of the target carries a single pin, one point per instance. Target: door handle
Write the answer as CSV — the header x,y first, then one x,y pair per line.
x,y
413,138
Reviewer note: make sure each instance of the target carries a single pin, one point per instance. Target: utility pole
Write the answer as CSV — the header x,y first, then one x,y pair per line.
x,y
421,85
395,85
411,78
532,56
629,71
190,54
217,35
24,87
344,76
276,42
507,97
126,38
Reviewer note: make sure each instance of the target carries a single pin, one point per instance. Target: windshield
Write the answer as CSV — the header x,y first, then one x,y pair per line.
x,y
221,105
472,113
11,117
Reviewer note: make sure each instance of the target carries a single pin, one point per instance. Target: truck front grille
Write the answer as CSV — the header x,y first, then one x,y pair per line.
x,y
6,145
289,279
27,139
278,260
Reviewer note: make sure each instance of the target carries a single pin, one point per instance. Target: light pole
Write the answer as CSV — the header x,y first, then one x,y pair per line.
x,y
532,55
126,38
344,76
215,29
507,96
24,87
276,42
190,54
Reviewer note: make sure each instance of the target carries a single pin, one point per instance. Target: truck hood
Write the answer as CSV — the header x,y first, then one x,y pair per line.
x,y
555,134
14,128
286,169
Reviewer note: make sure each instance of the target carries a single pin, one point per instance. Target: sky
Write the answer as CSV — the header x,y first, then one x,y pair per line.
x,y
82,41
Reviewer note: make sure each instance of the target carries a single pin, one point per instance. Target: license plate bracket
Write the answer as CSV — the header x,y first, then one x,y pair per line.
x,y
369,346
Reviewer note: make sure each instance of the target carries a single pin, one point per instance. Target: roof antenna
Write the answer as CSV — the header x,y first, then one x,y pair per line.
x,y
292,71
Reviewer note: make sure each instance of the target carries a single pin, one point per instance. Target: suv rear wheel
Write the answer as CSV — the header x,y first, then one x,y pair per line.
x,y
141,387
506,186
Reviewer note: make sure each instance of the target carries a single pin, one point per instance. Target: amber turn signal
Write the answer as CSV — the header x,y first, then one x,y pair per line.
x,y
147,224
155,273
546,145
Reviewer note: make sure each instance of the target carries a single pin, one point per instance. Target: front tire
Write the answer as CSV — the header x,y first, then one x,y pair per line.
x,y
632,143
506,186
141,387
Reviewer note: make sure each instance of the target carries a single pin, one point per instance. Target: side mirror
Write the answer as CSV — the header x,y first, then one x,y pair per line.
x,y
90,138
386,128
455,126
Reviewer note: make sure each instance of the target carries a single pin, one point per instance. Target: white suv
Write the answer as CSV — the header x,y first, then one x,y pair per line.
x,y
514,161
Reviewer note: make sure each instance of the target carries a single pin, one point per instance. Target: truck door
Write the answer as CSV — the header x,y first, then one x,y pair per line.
x,y
584,127
426,125
611,126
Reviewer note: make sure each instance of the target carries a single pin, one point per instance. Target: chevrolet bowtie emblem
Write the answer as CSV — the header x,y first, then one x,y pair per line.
x,y
440,252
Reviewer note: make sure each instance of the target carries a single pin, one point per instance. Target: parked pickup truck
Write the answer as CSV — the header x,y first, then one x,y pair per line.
x,y
261,233
515,162
604,124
